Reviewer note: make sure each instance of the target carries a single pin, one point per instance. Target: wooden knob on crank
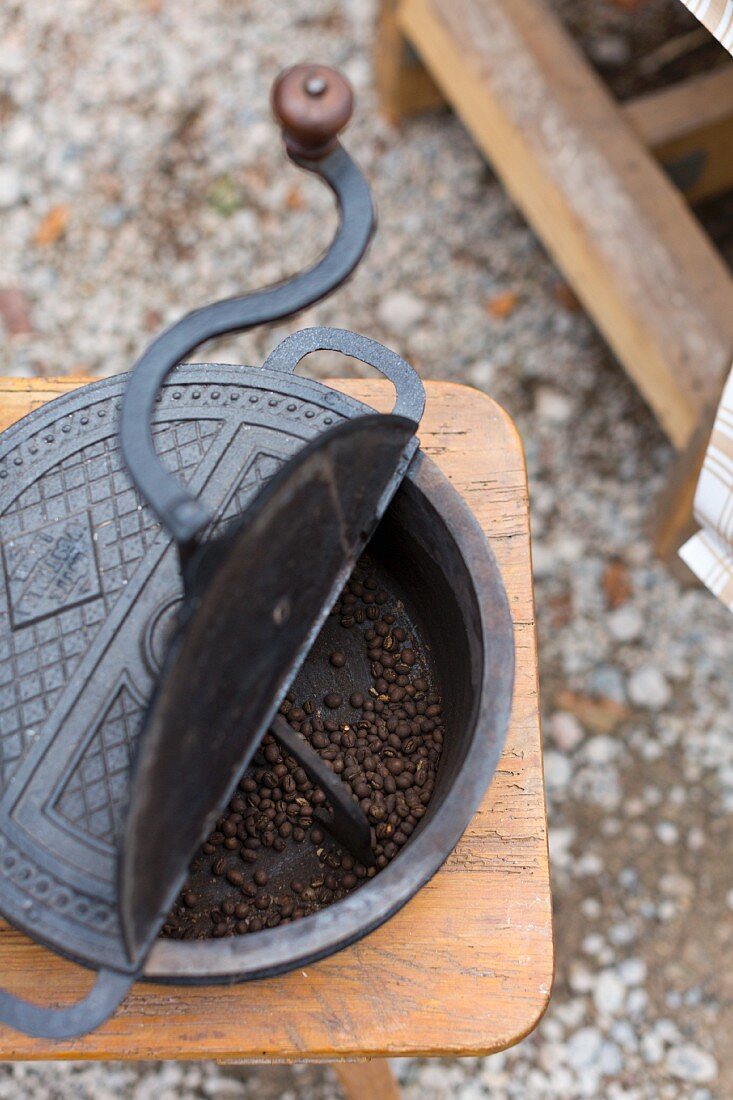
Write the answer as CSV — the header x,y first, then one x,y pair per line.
x,y
312,103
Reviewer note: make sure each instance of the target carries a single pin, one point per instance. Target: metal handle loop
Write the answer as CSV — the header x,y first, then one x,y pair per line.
x,y
410,401
70,1020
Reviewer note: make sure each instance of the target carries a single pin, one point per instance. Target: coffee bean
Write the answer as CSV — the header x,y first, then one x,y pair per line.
x,y
388,756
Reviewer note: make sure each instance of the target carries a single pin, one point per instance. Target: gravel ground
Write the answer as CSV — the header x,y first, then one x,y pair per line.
x,y
140,176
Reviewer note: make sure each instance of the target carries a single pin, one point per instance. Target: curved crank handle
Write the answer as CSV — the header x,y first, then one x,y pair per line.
x,y
410,401
313,104
68,1021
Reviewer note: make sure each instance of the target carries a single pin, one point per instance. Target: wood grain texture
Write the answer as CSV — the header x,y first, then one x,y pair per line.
x,y
367,1080
466,967
404,85
672,521
616,225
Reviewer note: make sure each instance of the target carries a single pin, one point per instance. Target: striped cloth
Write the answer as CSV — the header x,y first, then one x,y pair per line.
x,y
717,16
709,553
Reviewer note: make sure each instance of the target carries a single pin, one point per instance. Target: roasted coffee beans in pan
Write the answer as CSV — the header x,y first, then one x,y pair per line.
x,y
269,860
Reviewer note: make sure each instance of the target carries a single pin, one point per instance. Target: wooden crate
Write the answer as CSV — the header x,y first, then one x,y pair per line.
x,y
589,175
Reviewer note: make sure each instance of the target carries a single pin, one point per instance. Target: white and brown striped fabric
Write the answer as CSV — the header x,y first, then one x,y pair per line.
x,y
717,16
709,553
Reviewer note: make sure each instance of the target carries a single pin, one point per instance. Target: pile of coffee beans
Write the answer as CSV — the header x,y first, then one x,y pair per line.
x,y
269,860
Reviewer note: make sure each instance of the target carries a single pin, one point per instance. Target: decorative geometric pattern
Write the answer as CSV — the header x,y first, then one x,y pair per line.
x,y
94,798
82,783
256,474
50,569
39,656
51,892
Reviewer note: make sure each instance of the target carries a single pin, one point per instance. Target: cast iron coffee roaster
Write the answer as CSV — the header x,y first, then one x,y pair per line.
x,y
243,610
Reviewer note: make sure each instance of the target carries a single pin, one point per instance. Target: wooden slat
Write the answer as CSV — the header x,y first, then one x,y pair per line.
x,y
367,1080
689,128
19,396
612,220
404,85
672,521
466,967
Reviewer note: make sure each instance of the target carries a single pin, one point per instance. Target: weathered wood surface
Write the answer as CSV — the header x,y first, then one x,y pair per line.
x,y
466,967
367,1080
404,85
614,222
672,521
687,126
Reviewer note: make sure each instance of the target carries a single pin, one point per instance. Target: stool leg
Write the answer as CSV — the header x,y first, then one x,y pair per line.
x,y
405,87
672,520
372,1080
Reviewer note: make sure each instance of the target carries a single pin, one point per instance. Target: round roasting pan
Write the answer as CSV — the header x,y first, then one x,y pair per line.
x,y
431,551
79,659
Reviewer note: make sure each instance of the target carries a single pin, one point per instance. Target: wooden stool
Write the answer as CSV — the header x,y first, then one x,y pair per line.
x,y
584,171
466,967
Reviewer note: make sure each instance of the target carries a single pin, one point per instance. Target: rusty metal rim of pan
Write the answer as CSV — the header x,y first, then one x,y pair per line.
x,y
275,951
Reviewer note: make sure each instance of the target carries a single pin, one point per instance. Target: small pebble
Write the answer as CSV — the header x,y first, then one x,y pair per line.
x,y
648,688
691,1063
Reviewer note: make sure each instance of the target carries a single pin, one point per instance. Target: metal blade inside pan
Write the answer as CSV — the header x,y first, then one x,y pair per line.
x,y
346,822
257,599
